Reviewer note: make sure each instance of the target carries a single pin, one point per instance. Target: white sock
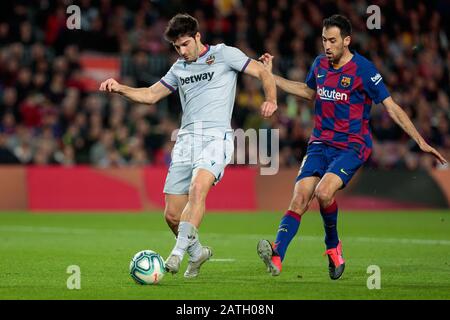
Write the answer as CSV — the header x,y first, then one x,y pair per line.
x,y
195,249
186,234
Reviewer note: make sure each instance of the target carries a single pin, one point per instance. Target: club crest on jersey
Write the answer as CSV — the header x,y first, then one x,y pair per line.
x,y
210,60
346,81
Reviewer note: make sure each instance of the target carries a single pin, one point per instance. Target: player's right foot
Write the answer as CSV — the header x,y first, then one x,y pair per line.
x,y
336,263
193,268
269,257
172,263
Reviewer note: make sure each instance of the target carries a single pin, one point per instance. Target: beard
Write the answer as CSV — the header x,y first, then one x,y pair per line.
x,y
335,57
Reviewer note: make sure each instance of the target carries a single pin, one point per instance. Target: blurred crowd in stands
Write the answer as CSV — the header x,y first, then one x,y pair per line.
x,y
48,116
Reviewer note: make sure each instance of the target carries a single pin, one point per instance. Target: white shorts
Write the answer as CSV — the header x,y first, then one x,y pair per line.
x,y
192,152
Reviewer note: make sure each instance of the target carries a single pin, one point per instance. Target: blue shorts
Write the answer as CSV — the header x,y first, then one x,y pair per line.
x,y
321,158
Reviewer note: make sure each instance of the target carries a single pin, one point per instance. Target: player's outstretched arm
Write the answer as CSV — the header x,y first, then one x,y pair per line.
x,y
256,70
401,118
293,87
149,95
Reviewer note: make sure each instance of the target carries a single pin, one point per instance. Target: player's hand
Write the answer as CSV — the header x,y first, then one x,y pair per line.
x,y
110,85
429,149
268,108
266,60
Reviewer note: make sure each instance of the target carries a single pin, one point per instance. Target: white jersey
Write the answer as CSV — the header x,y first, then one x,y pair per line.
x,y
207,88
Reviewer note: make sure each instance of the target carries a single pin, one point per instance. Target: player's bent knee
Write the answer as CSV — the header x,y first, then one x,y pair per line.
x,y
324,196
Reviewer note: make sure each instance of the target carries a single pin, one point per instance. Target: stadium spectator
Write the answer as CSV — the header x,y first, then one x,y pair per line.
x,y
42,85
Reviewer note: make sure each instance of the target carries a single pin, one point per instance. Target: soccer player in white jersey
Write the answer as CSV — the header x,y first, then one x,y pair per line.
x,y
205,77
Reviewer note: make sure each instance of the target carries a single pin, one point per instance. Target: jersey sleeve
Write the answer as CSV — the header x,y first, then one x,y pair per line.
x,y
170,80
311,77
235,58
374,85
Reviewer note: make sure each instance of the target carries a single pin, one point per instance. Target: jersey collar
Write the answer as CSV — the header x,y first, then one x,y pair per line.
x,y
205,51
331,68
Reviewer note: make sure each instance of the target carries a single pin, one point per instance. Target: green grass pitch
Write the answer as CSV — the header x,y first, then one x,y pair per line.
x,y
412,250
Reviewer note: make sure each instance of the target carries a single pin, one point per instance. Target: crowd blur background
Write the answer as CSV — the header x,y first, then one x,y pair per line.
x,y
48,116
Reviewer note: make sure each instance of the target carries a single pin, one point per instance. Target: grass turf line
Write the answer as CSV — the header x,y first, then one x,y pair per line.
x,y
411,248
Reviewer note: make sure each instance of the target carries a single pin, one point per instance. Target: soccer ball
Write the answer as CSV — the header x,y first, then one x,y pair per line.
x,y
147,267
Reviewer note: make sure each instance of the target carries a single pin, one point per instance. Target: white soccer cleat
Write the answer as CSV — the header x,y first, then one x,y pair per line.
x,y
270,259
172,264
193,268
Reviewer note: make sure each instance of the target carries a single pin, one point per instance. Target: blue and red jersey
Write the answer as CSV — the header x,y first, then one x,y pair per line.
x,y
343,101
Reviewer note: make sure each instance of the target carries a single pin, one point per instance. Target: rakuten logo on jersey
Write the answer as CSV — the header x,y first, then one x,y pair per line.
x,y
331,94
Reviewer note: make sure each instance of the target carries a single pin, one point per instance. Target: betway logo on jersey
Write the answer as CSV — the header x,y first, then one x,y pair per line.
x,y
197,77
376,78
331,94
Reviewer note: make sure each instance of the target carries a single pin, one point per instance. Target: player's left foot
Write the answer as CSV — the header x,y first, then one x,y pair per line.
x,y
193,268
269,257
336,263
172,263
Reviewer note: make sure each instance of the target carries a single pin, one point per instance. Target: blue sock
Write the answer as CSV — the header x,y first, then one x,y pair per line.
x,y
288,228
329,216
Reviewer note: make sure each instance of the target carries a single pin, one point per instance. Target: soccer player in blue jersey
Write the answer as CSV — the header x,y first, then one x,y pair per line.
x,y
343,85
205,77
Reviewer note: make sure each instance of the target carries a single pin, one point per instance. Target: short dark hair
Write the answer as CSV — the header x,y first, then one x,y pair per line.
x,y
339,21
181,25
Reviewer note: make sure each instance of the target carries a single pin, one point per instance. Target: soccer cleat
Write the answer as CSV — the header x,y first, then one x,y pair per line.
x,y
269,257
336,263
193,268
172,264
